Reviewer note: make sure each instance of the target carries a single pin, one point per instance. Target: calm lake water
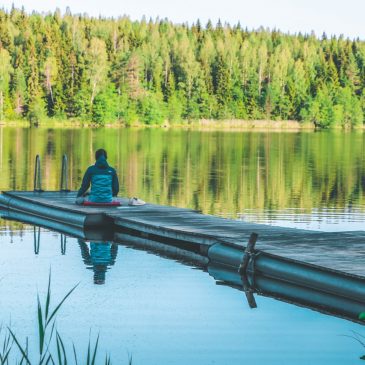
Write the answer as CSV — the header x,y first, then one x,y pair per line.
x,y
161,311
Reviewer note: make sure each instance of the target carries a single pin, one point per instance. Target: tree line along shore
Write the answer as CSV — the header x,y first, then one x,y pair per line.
x,y
78,69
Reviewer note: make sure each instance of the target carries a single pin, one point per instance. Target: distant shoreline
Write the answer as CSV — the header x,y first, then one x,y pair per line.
x,y
233,124
203,124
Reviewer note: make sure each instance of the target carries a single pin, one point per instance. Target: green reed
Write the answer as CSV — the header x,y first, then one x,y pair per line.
x,y
359,338
6,347
51,347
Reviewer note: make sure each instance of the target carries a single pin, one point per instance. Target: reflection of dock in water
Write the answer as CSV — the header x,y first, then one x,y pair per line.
x,y
325,290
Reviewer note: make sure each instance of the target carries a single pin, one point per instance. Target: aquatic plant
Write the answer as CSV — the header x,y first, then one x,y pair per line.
x,y
6,347
360,339
51,347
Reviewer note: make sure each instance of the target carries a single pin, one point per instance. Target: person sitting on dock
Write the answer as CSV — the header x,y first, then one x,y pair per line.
x,y
103,179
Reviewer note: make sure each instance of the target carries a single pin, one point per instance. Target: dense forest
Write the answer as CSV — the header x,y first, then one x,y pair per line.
x,y
109,70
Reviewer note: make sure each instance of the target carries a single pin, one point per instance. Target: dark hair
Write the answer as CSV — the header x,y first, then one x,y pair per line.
x,y
100,152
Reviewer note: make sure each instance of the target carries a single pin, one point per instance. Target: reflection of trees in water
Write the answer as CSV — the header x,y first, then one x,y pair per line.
x,y
98,257
216,172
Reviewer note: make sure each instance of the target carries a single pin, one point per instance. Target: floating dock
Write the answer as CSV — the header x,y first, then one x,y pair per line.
x,y
306,258
189,230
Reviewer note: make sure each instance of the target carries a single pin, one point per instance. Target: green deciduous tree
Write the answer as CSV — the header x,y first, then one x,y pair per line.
x,y
151,109
105,107
97,66
5,72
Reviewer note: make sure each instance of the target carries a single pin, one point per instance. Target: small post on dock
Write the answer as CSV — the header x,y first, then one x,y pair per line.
x,y
249,251
37,175
64,175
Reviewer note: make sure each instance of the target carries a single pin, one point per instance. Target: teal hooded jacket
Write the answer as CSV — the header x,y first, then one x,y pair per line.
x,y
104,182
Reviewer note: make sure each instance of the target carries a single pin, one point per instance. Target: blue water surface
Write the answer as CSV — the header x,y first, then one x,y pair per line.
x,y
156,310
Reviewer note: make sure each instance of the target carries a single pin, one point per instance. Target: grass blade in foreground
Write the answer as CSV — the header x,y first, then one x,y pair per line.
x,y
47,342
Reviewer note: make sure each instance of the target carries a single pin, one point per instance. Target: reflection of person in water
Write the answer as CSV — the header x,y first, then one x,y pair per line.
x,y
98,258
